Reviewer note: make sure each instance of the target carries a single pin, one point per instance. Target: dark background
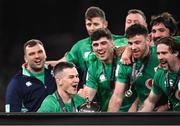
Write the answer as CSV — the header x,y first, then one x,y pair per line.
x,y
59,24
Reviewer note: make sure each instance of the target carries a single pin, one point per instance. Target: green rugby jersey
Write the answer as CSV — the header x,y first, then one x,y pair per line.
x,y
98,78
160,86
51,104
143,83
177,38
80,51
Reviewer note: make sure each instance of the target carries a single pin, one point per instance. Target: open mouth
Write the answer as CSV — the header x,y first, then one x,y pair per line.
x,y
75,86
135,51
163,64
101,54
37,61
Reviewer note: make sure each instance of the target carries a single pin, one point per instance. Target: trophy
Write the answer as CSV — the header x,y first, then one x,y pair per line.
x,y
89,106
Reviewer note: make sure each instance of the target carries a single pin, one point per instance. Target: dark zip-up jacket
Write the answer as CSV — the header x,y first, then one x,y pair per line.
x,y
28,92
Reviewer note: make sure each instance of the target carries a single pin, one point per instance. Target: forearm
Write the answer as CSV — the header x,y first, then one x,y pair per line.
x,y
134,106
114,104
120,50
54,62
126,57
147,107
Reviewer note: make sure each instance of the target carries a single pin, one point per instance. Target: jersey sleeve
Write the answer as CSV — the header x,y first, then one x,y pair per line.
x,y
91,78
50,104
79,100
156,85
14,96
123,73
72,55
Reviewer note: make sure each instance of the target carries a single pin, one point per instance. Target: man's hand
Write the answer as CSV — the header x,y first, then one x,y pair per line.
x,y
134,106
83,93
161,108
126,57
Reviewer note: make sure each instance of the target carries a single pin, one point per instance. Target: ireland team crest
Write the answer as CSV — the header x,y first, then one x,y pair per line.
x,y
86,54
102,78
149,83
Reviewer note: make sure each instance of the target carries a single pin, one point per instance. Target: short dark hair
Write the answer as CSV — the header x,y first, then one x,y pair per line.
x,y
32,43
101,32
136,29
174,46
93,11
168,21
137,11
61,66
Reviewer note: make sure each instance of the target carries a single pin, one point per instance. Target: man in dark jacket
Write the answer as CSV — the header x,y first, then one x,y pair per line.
x,y
28,88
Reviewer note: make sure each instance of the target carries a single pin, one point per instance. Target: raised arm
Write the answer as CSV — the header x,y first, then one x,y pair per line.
x,y
126,57
87,92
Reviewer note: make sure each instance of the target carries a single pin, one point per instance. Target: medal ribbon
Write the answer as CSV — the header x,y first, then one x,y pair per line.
x,y
113,70
171,90
135,74
63,105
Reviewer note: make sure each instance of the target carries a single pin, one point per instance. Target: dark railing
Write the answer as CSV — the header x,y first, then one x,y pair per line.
x,y
167,118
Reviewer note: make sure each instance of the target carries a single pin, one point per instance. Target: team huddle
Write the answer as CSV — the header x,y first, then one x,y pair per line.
x,y
135,72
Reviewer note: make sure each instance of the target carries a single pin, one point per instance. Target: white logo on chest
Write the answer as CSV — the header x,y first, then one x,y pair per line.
x,y
28,83
86,54
102,78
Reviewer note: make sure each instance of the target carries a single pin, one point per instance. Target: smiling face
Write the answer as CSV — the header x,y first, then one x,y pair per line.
x,y
68,80
35,58
165,56
158,31
138,46
103,49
